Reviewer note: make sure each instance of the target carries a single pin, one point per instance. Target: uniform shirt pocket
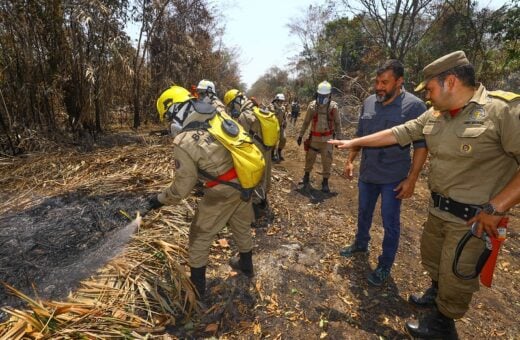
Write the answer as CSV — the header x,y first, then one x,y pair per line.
x,y
431,128
471,140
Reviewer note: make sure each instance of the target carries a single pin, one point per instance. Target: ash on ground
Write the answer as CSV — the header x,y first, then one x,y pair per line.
x,y
47,249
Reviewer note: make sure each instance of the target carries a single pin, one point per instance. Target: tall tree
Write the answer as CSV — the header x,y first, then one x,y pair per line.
x,y
309,30
395,25
274,80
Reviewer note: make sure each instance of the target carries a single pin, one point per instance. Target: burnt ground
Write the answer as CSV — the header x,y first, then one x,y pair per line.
x,y
302,287
61,241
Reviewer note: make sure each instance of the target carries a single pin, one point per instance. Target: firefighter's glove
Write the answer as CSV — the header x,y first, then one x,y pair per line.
x,y
152,204
299,140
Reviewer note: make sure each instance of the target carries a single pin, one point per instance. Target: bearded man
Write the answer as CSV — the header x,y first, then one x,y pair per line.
x,y
385,171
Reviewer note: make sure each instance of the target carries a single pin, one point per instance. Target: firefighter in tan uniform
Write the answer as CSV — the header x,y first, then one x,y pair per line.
x,y
241,109
277,106
472,137
195,150
323,117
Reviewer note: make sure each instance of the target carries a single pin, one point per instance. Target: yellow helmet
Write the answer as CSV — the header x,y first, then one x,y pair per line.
x,y
231,95
175,94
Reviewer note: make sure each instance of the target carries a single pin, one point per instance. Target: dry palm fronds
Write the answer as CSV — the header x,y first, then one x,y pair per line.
x,y
132,168
141,291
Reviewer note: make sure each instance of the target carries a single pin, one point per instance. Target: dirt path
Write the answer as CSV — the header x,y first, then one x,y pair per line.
x,y
304,289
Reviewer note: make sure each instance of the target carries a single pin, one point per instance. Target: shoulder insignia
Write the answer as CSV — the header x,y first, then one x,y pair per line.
x,y
504,95
477,116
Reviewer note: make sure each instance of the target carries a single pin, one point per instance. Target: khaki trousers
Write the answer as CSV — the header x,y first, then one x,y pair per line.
x,y
325,150
438,243
219,207
283,140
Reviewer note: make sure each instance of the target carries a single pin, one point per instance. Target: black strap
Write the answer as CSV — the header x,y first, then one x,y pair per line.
x,y
481,260
461,210
258,139
196,125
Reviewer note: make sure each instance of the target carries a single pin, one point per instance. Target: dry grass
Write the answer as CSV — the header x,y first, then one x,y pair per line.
x,y
139,293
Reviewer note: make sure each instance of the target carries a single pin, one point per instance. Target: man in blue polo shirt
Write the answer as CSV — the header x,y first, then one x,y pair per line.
x,y
385,171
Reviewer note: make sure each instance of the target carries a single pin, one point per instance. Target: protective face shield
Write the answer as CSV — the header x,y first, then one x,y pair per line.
x,y
175,128
178,112
322,99
205,97
235,106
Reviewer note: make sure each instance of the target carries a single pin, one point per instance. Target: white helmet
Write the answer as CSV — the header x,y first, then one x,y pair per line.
x,y
206,85
324,88
279,96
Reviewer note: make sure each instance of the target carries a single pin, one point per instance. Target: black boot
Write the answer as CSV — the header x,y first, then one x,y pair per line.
x,y
280,157
306,180
325,185
260,209
198,278
433,326
427,299
274,156
243,263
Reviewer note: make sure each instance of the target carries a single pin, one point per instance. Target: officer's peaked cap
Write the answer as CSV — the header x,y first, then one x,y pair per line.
x,y
441,65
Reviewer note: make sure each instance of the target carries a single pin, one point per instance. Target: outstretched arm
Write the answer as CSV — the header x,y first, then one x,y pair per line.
x,y
381,138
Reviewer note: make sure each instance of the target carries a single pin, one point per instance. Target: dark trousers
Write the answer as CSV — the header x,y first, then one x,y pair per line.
x,y
390,213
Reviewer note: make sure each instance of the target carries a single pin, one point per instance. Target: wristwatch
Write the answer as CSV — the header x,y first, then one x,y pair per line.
x,y
489,209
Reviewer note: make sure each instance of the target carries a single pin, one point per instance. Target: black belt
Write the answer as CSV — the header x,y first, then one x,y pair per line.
x,y
461,210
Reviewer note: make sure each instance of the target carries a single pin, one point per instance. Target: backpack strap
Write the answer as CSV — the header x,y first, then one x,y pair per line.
x,y
245,194
258,139
196,126
225,177
315,117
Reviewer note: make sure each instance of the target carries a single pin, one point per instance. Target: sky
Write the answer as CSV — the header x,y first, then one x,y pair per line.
x,y
258,29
